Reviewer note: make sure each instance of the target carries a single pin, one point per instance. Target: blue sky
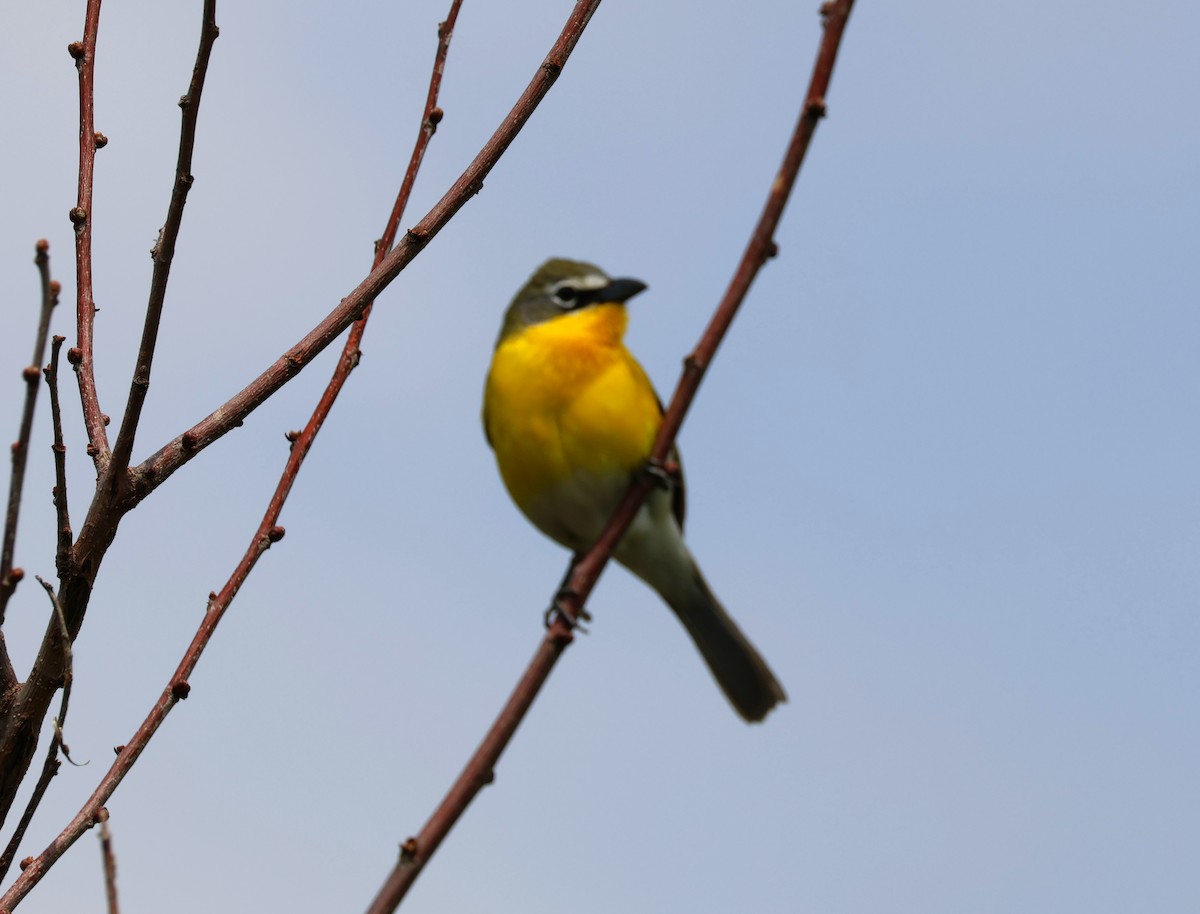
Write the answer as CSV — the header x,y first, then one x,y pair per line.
x,y
943,471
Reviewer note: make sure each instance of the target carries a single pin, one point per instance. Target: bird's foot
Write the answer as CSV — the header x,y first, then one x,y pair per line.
x,y
558,610
662,474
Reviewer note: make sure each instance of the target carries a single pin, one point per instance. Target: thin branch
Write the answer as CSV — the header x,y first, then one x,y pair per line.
x,y
163,252
62,513
416,852
80,356
110,863
49,770
10,576
158,467
22,715
52,764
430,118
60,619
759,249
20,449
303,441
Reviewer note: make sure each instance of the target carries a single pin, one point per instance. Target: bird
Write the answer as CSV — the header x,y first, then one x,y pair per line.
x,y
571,417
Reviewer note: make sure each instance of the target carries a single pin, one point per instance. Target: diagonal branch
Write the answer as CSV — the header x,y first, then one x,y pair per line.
x,y
20,450
52,764
582,577
759,249
80,356
62,514
158,467
110,863
163,252
430,119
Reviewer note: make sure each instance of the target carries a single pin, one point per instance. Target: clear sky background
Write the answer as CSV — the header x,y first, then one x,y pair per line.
x,y
944,470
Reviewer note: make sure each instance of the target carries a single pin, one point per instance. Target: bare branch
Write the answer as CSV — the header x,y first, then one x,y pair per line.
x,y
158,467
302,442
163,252
10,576
49,770
80,356
110,863
582,577
20,449
63,516
760,248
416,852
430,119
52,764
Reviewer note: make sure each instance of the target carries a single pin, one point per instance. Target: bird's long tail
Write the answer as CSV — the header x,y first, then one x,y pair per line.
x,y
735,663
654,550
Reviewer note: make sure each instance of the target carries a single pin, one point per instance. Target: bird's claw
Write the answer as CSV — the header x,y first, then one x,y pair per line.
x,y
662,475
557,610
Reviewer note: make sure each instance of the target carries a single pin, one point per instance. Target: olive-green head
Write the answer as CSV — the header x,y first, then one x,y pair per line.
x,y
559,287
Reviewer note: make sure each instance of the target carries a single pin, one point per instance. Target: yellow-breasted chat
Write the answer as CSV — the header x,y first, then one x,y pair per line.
x,y
572,416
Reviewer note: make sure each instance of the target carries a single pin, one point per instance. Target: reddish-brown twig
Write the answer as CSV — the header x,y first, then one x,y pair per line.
x,y
61,510
431,117
152,472
80,356
759,249
416,852
20,449
10,576
110,863
163,253
52,764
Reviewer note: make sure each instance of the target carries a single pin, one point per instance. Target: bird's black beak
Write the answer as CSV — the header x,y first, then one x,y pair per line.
x,y
619,290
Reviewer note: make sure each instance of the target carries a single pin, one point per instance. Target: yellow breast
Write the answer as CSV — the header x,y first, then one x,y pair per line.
x,y
570,415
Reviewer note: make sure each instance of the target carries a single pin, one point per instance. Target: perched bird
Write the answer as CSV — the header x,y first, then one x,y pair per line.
x,y
571,417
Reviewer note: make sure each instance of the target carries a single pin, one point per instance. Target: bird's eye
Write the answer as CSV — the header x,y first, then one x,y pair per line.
x,y
564,295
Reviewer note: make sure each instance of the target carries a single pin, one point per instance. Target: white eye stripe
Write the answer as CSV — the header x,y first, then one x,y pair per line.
x,y
566,291
582,283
